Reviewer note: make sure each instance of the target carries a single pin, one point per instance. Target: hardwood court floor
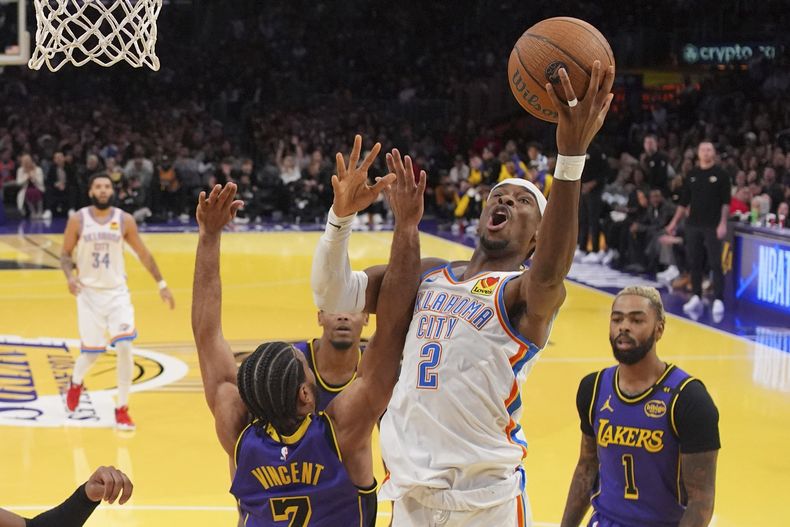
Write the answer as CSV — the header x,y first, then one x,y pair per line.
x,y
180,472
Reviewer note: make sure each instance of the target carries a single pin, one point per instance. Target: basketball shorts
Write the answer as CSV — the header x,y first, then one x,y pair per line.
x,y
408,512
104,315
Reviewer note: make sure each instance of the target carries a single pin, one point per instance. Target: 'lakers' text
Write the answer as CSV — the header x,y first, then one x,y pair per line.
x,y
650,440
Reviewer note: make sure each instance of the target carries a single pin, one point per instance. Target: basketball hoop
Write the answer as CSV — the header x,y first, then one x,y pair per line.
x,y
101,31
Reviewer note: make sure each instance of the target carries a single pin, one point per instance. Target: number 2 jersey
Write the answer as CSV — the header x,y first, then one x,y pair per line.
x,y
298,480
100,250
451,437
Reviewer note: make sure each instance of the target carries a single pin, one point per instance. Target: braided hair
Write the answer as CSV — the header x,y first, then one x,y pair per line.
x,y
268,382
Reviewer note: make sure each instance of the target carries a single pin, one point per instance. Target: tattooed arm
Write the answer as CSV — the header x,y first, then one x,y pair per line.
x,y
699,478
582,483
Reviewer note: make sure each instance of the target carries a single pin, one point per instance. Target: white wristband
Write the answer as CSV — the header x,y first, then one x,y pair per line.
x,y
162,285
569,168
337,227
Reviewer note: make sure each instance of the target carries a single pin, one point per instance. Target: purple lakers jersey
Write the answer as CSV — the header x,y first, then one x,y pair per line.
x,y
297,480
326,392
638,451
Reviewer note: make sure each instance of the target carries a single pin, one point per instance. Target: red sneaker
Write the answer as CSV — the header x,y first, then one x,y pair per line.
x,y
73,396
122,419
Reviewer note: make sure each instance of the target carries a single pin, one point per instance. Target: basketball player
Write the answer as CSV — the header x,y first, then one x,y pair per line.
x,y
104,306
294,465
335,356
650,431
106,483
450,436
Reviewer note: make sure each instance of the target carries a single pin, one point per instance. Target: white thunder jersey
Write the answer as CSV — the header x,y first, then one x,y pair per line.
x,y
452,424
100,250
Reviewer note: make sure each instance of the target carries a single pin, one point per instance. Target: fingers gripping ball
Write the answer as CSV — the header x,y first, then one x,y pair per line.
x,y
554,43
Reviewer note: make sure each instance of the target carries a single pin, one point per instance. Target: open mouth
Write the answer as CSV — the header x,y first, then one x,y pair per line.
x,y
498,218
343,328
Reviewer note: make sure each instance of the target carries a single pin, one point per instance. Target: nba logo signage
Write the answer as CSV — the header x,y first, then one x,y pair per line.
x,y
763,274
773,278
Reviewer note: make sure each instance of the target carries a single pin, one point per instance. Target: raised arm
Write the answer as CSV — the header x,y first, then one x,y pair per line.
x,y
336,288
132,237
217,365
359,407
70,238
557,235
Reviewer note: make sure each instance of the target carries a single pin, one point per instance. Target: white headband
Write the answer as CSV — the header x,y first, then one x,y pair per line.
x,y
523,183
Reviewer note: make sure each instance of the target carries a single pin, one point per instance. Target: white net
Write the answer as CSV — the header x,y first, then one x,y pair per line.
x,y
100,31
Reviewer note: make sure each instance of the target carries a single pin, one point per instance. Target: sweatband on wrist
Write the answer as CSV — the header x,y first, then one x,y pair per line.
x,y
73,512
162,284
337,227
336,289
569,168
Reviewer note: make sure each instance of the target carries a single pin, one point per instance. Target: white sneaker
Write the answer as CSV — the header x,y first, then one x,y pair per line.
x,y
717,310
593,258
609,257
694,305
669,274
47,215
578,255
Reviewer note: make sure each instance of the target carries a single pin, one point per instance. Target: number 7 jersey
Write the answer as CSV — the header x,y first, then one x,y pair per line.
x,y
100,250
453,420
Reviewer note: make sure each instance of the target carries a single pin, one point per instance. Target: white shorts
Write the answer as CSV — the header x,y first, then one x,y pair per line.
x,y
105,315
408,512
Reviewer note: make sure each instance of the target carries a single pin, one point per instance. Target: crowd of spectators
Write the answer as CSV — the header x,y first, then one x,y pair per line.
x,y
273,125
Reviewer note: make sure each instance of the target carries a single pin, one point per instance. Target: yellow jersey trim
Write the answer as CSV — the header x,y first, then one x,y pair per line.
x,y
334,436
293,438
236,448
672,405
680,499
594,397
323,384
371,490
648,392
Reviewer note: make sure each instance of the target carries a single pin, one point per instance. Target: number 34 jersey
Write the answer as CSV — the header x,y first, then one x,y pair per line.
x,y
100,250
453,420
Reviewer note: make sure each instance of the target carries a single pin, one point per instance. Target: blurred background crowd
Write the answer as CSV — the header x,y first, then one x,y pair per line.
x,y
429,83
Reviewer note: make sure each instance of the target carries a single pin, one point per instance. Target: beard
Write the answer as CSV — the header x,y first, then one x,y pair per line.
x,y
493,245
341,345
99,205
637,351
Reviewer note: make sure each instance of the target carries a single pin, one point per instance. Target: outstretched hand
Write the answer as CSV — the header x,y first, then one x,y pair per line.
x,y
579,123
218,209
350,184
108,483
406,195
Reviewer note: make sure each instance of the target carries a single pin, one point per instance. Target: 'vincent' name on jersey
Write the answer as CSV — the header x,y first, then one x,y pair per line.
x,y
301,472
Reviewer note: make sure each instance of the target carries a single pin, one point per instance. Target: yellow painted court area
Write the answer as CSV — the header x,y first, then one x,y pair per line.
x,y
180,472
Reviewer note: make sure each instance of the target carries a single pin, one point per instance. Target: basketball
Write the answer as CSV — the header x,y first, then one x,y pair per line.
x,y
551,44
